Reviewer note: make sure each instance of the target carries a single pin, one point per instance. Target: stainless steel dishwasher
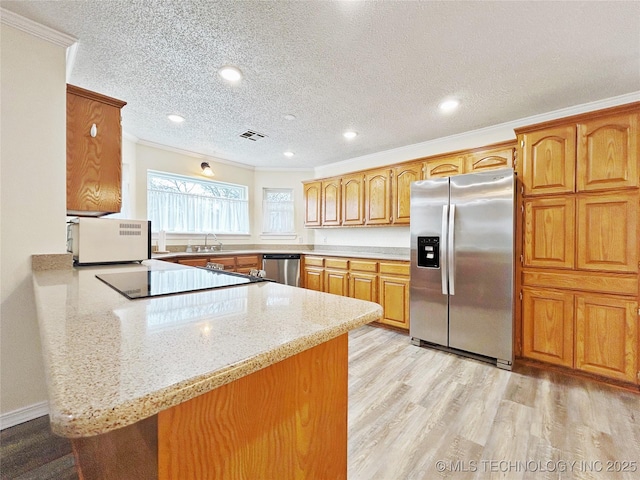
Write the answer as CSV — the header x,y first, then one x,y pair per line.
x,y
282,267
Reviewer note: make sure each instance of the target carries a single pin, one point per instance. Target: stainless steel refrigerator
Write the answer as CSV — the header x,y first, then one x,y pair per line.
x,y
462,264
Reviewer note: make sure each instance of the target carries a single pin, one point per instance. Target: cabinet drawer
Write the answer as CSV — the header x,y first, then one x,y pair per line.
x,y
364,265
342,263
228,262
194,262
394,268
314,261
247,260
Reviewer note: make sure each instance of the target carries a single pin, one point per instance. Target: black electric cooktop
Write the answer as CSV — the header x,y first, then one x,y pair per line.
x,y
153,283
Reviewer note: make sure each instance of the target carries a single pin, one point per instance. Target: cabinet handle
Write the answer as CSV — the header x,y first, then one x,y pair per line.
x,y
94,130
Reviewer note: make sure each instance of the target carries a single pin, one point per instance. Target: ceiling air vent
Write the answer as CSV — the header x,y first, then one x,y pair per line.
x,y
252,135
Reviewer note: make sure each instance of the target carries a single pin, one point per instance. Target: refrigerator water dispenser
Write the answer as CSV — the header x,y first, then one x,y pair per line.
x,y
429,252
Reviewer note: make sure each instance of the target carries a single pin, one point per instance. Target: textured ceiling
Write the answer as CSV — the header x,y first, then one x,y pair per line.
x,y
379,68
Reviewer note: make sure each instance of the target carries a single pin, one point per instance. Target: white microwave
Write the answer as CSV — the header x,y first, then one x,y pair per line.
x,y
108,240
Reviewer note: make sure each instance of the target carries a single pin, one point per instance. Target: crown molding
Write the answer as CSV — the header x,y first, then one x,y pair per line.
x,y
36,29
497,131
189,153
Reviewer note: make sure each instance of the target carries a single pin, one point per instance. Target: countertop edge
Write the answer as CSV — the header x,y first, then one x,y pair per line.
x,y
319,253
103,421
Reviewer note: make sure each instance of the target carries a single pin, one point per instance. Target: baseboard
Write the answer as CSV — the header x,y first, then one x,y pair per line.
x,y
23,414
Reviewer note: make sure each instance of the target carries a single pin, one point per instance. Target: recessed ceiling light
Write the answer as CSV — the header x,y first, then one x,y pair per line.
x,y
288,116
449,106
230,73
175,118
289,154
349,134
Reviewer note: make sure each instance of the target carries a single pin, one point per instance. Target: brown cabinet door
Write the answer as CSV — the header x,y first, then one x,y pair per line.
x,y
394,298
547,326
94,158
606,336
378,197
246,263
331,202
549,160
312,202
353,199
363,286
228,262
314,279
444,166
194,262
336,282
607,232
491,159
401,179
549,232
608,153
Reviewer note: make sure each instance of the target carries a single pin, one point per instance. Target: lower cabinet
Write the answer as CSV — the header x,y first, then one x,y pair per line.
x,y
394,293
193,262
384,282
606,336
589,332
238,263
547,324
313,273
336,276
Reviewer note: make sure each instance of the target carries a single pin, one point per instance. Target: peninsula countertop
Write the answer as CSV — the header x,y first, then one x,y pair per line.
x,y
111,361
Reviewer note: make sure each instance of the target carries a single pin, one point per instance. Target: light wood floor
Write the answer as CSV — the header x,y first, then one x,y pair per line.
x,y
412,407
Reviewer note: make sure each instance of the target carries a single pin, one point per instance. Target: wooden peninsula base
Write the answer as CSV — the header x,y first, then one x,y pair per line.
x,y
286,421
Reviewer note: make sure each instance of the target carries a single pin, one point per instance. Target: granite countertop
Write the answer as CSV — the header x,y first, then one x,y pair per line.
x,y
322,253
111,361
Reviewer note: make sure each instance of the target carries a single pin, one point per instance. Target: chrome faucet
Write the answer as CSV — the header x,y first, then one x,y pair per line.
x,y
213,247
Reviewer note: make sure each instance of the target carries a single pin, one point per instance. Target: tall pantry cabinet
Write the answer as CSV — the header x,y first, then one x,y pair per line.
x,y
580,250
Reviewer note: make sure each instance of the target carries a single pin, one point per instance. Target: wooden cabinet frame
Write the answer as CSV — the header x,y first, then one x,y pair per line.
x,y
384,198
580,175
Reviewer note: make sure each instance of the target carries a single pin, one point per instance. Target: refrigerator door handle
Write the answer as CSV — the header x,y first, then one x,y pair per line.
x,y
443,250
450,251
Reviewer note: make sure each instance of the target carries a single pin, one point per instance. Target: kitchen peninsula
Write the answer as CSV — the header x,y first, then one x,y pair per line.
x,y
247,381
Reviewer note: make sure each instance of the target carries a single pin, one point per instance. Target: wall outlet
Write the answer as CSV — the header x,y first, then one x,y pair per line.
x,y
300,239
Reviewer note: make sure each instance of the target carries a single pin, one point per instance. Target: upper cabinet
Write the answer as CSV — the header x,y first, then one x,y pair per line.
x,y
353,199
483,159
331,202
382,196
378,197
608,153
94,153
444,166
312,202
401,178
589,154
469,161
548,160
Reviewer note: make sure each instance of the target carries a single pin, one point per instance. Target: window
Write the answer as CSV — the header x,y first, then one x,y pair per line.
x,y
190,205
277,210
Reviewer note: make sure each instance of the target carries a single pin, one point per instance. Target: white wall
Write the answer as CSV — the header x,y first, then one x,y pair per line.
x,y
33,201
145,157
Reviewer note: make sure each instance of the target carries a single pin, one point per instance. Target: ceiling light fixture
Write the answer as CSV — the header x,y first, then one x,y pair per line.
x,y
449,106
206,169
230,73
349,135
289,117
175,118
289,154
